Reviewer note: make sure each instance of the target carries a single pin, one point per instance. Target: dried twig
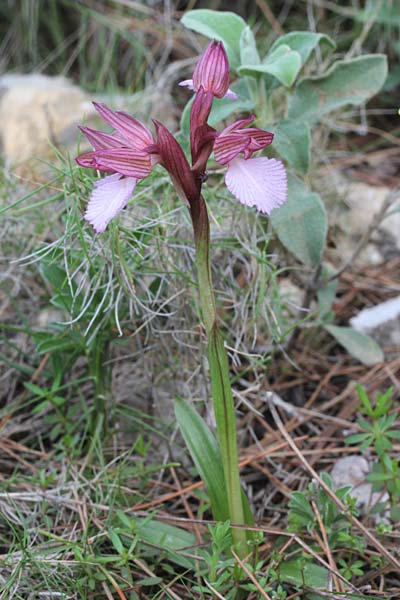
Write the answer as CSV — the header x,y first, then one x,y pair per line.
x,y
251,576
269,15
325,546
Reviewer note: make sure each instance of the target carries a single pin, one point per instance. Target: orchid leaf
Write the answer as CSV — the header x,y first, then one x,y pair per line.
x,y
292,140
248,49
346,82
283,63
387,13
205,453
302,573
358,344
301,224
173,540
223,26
303,42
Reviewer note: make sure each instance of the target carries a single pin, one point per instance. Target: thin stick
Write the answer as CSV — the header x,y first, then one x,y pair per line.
x,y
269,15
251,576
151,573
325,546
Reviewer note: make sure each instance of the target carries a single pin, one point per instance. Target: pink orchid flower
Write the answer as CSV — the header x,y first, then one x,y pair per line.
x,y
259,182
129,153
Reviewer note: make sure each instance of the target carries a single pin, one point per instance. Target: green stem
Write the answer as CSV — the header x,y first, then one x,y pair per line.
x,y
224,407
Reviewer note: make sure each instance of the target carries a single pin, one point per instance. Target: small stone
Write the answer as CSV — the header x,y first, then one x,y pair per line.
x,y
350,470
353,471
370,255
382,322
364,201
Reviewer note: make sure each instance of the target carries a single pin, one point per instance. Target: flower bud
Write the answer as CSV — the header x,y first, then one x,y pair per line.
x,y
212,70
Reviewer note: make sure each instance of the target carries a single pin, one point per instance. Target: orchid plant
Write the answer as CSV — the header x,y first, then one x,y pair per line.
x,y
128,155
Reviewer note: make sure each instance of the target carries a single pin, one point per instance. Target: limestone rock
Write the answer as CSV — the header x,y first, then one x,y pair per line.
x,y
382,322
364,201
352,471
37,111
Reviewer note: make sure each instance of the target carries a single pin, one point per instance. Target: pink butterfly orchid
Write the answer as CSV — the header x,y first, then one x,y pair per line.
x,y
129,153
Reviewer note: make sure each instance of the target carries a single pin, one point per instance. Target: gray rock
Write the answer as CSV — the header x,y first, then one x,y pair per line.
x,y
382,322
36,112
364,201
353,471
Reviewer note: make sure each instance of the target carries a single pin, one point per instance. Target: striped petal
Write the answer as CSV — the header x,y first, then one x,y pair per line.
x,y
89,161
109,197
259,139
226,147
125,161
239,124
100,140
137,134
259,182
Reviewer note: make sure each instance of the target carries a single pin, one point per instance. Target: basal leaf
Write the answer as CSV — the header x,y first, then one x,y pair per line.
x,y
292,140
301,224
283,63
387,13
223,26
304,42
206,456
248,49
346,82
360,345
167,537
300,574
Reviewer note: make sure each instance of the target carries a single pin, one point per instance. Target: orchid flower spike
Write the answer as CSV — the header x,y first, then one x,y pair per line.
x,y
212,73
128,154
